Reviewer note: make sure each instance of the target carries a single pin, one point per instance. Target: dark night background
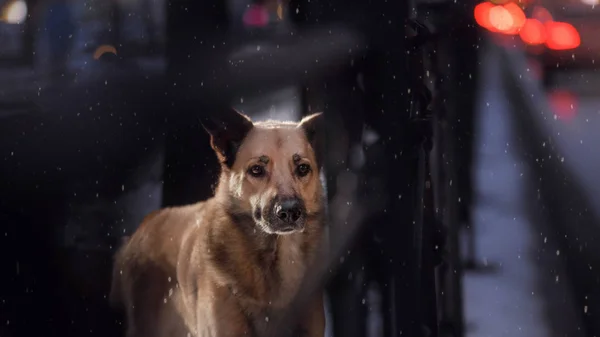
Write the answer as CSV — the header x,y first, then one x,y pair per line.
x,y
415,94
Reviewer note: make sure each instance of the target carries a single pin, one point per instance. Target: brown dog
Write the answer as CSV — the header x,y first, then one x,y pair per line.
x,y
227,266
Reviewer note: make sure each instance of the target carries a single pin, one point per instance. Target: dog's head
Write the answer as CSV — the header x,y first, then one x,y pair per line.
x,y
270,170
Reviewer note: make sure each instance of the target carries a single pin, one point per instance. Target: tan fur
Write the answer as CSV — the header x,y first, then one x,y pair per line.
x,y
193,271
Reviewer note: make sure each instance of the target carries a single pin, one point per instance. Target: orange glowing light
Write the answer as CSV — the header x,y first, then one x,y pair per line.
x,y
482,15
105,48
561,36
507,19
501,19
14,12
518,17
280,11
533,32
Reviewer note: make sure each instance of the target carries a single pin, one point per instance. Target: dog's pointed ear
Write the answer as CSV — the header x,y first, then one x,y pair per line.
x,y
227,130
313,126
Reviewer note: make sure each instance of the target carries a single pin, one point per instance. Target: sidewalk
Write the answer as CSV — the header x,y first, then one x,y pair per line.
x,y
518,299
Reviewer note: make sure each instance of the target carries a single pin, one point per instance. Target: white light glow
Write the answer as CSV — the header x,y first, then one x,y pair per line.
x,y
15,12
591,2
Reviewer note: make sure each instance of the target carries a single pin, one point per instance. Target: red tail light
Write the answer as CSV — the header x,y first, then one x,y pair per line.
x,y
482,15
508,18
533,32
518,18
564,104
562,36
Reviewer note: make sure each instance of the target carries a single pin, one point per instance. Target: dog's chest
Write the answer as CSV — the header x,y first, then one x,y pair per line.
x,y
264,323
290,269
292,262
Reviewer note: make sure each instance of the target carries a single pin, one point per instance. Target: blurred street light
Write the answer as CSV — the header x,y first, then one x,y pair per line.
x,y
14,12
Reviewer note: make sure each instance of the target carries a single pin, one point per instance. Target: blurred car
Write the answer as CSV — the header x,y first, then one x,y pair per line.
x,y
557,33
583,17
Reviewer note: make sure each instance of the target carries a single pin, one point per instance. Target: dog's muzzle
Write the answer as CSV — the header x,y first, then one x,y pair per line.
x,y
287,215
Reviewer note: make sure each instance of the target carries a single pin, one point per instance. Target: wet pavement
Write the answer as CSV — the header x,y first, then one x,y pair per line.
x,y
574,126
525,290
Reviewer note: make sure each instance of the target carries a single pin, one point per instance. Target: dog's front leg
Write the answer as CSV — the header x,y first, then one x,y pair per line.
x,y
313,324
222,318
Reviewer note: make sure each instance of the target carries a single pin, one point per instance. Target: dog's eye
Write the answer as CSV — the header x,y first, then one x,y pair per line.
x,y
302,170
257,171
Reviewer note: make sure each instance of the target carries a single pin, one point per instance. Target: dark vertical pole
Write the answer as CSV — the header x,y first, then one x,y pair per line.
x,y
388,114
149,19
373,91
343,106
195,30
386,252
116,23
457,47
342,100
462,116
29,30
465,52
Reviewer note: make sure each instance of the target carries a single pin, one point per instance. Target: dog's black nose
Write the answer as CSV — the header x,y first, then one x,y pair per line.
x,y
288,210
